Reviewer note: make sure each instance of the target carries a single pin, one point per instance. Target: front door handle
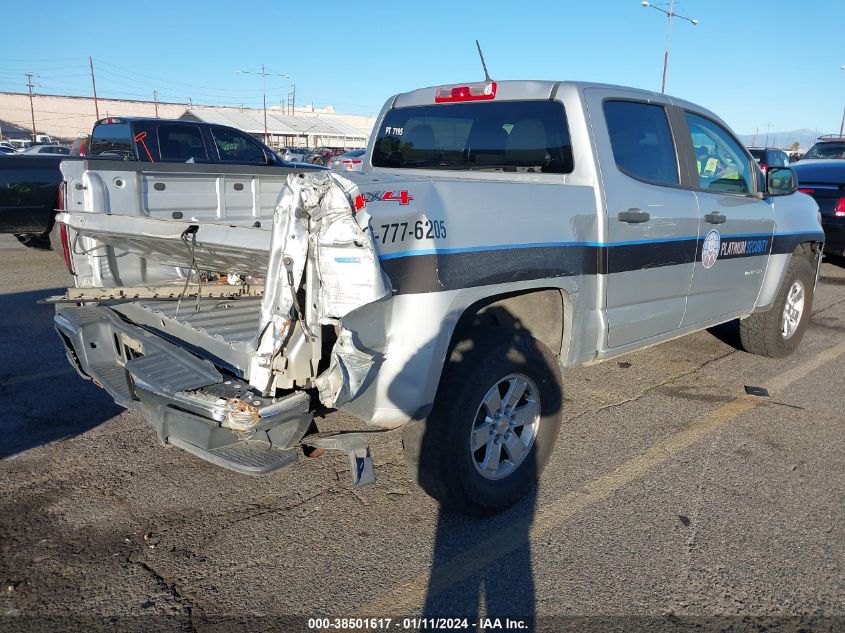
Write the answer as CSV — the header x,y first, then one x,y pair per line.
x,y
715,218
634,216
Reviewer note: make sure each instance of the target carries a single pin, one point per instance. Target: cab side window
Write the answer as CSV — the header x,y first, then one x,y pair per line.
x,y
237,147
642,141
721,163
178,142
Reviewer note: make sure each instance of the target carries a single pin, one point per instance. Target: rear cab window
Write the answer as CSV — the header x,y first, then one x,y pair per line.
x,y
112,140
641,140
508,136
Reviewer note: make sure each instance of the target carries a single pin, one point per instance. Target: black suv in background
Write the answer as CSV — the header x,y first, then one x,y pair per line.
x,y
769,157
827,146
178,141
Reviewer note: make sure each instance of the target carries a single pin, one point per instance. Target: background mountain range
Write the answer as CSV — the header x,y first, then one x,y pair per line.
x,y
805,138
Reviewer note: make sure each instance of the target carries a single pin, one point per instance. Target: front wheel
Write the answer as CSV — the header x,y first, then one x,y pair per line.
x,y
778,331
493,425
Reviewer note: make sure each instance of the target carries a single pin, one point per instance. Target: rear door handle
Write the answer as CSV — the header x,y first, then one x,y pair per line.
x,y
634,216
715,218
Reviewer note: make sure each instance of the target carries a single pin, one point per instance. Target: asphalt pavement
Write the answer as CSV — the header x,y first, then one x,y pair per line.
x,y
673,501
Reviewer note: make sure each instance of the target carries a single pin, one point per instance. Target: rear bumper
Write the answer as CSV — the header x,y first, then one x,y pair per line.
x,y
834,234
185,398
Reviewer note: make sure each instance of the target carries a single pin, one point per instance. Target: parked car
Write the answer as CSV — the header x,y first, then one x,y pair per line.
x,y
6,150
295,154
824,180
79,145
322,155
827,146
179,141
52,150
503,232
769,157
350,161
29,196
19,143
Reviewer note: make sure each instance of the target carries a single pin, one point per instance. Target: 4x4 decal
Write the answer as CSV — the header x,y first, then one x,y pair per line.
x,y
402,197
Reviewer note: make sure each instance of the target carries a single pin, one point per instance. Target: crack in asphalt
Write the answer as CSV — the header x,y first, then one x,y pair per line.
x,y
195,613
651,388
683,374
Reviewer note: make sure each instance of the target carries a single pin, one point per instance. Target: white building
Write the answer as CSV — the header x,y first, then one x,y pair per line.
x,y
66,118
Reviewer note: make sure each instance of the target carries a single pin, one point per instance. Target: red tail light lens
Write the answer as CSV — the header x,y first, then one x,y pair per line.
x,y
809,192
66,247
482,91
763,167
840,208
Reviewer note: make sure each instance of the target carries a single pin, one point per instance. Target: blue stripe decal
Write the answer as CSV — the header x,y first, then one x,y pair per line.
x,y
500,247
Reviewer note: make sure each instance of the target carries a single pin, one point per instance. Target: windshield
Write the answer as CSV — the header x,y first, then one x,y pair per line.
x,y
527,136
757,154
826,150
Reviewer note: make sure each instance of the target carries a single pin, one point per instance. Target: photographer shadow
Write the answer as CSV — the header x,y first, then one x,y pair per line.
x,y
481,567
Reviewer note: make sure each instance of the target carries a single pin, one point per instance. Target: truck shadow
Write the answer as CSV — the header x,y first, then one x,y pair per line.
x,y
44,400
482,567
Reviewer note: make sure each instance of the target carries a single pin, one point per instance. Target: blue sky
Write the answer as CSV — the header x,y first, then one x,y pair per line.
x,y
754,63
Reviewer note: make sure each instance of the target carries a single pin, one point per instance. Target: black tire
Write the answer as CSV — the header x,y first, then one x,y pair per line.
x,y
763,332
438,448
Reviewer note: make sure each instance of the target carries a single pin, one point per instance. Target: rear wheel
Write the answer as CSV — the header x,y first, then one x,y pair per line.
x,y
778,331
493,425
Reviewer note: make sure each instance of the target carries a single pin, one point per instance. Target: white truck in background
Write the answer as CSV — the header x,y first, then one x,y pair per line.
x,y
500,232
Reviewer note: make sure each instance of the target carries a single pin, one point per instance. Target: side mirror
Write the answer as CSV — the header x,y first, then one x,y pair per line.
x,y
780,181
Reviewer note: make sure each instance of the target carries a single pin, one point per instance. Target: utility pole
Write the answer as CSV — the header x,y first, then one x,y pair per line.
x,y
94,85
264,75
155,101
31,107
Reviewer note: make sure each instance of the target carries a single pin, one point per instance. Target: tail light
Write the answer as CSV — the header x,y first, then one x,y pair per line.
x,y
809,192
66,248
63,234
83,146
839,211
763,167
350,162
481,91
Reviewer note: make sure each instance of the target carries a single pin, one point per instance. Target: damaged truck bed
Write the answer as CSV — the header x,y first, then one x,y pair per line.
x,y
499,233
162,348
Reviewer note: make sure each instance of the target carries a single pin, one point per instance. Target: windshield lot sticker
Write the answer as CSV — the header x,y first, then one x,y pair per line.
x,y
710,250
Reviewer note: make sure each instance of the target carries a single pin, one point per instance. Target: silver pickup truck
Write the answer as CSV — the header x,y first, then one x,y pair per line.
x,y
500,232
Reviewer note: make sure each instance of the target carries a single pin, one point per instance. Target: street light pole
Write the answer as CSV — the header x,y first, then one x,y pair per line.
x,y
263,74
670,13
842,124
